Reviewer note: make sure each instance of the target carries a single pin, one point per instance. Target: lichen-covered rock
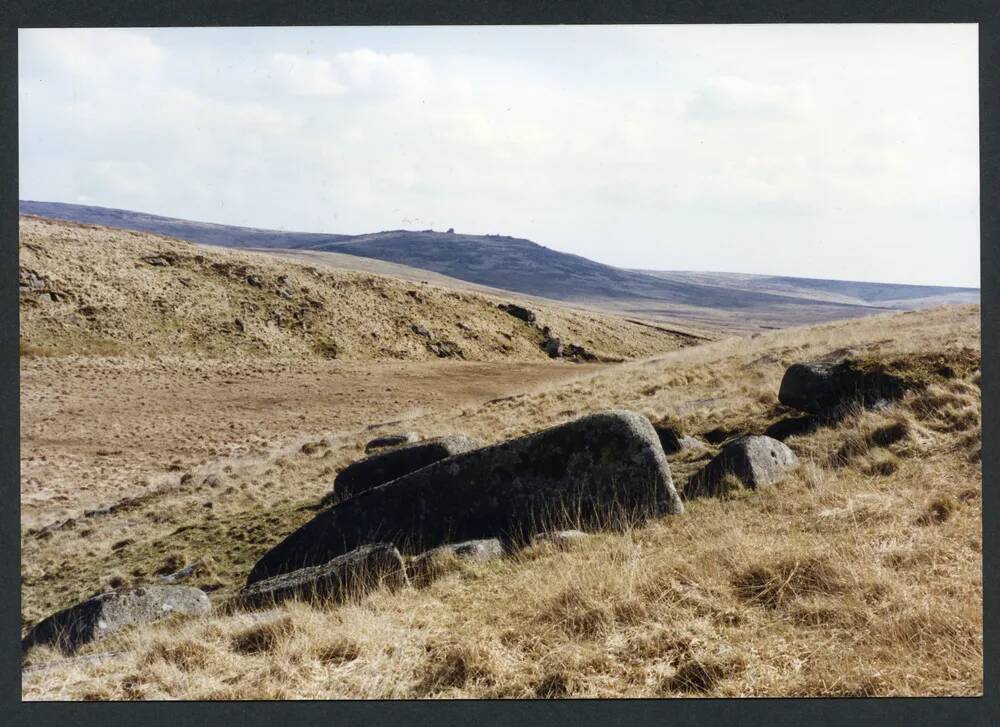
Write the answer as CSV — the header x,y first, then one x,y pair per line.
x,y
821,387
385,466
589,471
390,440
351,574
107,613
754,460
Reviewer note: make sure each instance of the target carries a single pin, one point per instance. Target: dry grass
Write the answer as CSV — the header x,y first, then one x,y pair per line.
x,y
859,575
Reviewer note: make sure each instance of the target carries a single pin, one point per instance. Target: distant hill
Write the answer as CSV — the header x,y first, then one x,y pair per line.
x,y
88,290
850,292
726,300
206,233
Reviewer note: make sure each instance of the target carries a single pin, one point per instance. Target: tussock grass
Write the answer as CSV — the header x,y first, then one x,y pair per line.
x,y
860,574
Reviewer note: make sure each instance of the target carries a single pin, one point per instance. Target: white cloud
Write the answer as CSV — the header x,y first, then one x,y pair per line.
x,y
735,99
307,76
361,69
96,53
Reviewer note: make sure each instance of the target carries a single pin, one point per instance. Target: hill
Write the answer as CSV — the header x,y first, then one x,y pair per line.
x,y
737,302
88,289
848,292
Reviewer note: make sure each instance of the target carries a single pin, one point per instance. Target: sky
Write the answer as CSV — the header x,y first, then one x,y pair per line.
x,y
831,151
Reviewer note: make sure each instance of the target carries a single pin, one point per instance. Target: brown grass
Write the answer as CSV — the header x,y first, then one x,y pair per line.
x,y
861,574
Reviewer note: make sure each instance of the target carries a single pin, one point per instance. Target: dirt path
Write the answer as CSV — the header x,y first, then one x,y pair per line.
x,y
96,430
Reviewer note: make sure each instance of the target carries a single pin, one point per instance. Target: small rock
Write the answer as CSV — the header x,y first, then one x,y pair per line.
x,y
754,460
578,353
156,261
351,574
310,448
518,311
185,572
445,349
428,564
107,613
212,481
560,538
390,440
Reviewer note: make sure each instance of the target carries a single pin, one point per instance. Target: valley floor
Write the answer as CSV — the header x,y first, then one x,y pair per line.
x,y
94,430
860,575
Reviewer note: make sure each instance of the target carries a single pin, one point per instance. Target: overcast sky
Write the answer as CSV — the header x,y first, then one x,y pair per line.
x,y
835,151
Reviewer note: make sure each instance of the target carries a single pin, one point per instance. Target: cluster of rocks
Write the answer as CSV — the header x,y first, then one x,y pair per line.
x,y
583,472
35,289
824,391
551,344
442,348
403,512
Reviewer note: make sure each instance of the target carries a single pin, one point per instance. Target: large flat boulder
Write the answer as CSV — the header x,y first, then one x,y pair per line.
x,y
823,387
585,472
754,460
388,465
107,613
352,574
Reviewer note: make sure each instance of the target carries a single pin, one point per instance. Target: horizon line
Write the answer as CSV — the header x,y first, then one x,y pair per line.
x,y
471,234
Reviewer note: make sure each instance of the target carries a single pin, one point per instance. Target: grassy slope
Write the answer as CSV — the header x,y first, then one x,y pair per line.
x,y
860,575
221,303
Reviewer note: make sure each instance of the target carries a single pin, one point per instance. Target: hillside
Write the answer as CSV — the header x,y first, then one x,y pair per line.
x,y
94,290
731,301
859,575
